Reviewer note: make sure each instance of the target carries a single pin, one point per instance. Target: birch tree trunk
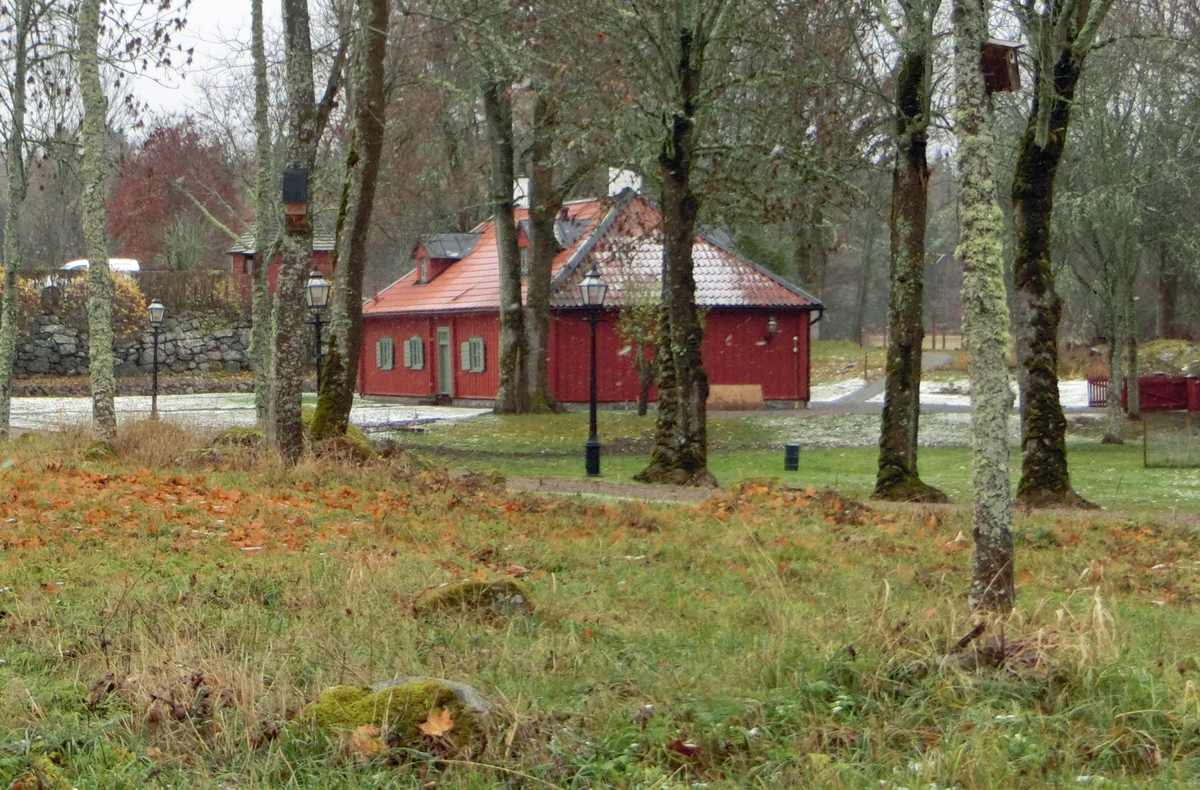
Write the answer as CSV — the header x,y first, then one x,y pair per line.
x,y
898,479
100,286
512,396
544,204
680,455
985,318
17,185
340,376
285,431
264,218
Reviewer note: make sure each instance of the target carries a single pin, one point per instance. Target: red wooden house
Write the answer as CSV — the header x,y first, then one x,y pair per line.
x,y
245,258
435,332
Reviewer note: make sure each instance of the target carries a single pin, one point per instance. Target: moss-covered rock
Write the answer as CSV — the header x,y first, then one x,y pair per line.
x,y
100,450
354,439
503,597
398,710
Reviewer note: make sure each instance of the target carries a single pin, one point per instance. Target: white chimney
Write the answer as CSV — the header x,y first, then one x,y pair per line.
x,y
521,193
619,180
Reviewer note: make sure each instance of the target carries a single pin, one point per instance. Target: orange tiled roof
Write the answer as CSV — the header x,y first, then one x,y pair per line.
x,y
625,251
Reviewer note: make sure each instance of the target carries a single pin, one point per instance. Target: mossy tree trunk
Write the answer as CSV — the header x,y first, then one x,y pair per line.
x,y
94,166
512,395
264,218
1114,432
1061,37
897,478
1134,410
354,221
985,318
680,453
544,204
22,12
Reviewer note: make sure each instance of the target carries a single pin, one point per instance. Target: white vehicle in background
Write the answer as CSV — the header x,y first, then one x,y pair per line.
x,y
125,265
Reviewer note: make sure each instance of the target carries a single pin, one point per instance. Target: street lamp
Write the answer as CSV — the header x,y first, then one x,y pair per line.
x,y
318,297
157,314
593,289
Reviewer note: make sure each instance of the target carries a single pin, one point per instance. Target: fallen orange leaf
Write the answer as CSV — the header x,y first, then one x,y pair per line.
x,y
438,724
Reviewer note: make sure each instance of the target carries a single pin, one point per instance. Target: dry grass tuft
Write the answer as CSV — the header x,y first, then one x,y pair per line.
x,y
156,443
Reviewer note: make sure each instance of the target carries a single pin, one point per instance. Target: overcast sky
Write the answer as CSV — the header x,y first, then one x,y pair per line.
x,y
211,25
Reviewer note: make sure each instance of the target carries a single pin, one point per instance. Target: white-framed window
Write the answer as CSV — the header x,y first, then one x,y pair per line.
x,y
526,254
473,355
414,353
384,354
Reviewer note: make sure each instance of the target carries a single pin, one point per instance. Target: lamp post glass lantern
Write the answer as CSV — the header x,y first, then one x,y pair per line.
x,y
157,314
592,289
318,298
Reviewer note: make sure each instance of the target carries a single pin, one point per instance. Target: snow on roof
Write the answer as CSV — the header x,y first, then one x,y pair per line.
x,y
128,265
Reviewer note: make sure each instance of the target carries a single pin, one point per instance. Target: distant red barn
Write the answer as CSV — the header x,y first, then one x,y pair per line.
x,y
245,257
435,332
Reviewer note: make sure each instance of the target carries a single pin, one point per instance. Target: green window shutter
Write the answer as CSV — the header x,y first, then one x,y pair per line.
x,y
384,353
478,364
415,347
466,356
408,360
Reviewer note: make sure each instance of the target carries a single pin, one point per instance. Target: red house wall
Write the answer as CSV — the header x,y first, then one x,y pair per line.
x,y
423,383
736,351
321,261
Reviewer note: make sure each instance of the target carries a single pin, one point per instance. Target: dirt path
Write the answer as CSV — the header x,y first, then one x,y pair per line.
x,y
648,493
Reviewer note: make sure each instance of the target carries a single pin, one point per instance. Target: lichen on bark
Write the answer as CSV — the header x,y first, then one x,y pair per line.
x,y
22,13
100,287
264,218
985,318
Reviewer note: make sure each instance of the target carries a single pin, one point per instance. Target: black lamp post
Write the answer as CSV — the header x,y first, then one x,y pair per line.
x,y
318,297
157,314
593,289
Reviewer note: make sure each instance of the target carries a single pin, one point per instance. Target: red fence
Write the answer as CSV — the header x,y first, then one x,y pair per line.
x,y
1157,393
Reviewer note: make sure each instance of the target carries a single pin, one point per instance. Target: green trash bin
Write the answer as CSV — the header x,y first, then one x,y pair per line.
x,y
791,457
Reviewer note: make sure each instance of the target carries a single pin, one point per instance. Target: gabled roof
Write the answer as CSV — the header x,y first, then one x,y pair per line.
x,y
323,241
449,246
620,236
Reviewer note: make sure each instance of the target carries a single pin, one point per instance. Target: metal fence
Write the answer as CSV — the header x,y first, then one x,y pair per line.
x,y
1171,439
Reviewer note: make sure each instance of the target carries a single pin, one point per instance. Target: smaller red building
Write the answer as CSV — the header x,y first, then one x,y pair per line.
x,y
245,257
435,332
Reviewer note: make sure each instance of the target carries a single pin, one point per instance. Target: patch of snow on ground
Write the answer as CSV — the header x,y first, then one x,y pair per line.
x,y
216,411
826,393
937,429
956,392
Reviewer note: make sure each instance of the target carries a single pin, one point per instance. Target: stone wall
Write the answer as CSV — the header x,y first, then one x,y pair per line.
x,y
203,343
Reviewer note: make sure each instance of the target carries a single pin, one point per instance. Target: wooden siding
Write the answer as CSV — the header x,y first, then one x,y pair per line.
x,y
423,383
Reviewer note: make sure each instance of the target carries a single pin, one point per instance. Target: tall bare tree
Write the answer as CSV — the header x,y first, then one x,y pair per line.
x,y
985,316
264,218
898,478
100,286
369,99
306,121
1061,33
24,16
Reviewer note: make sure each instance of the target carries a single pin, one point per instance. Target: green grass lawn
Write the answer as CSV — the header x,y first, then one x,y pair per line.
x,y
1112,476
165,623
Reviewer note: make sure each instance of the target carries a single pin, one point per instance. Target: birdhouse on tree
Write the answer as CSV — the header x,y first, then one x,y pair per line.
x,y
295,200
999,62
